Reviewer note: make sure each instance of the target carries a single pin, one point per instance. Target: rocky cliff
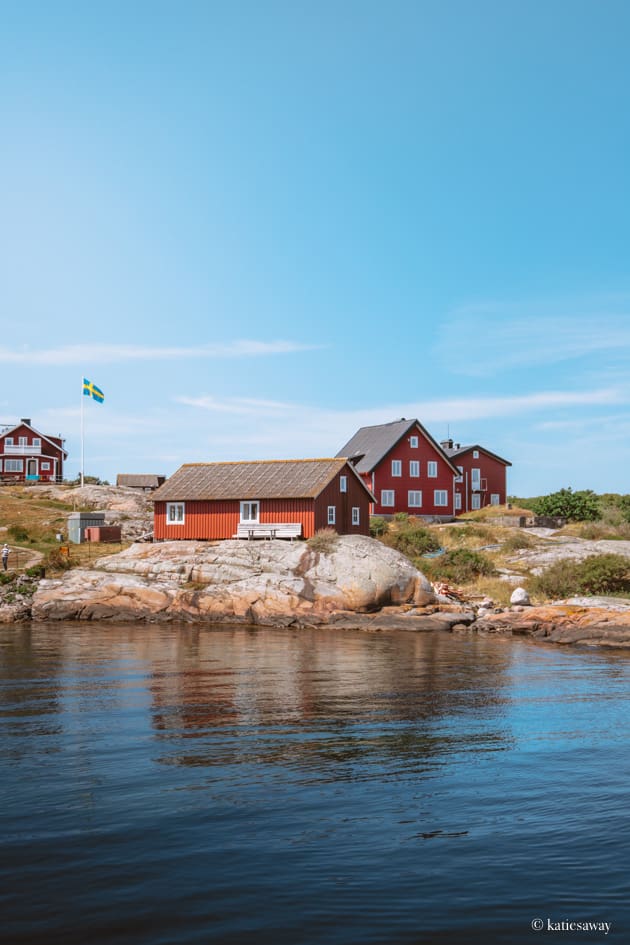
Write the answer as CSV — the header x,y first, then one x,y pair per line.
x,y
264,582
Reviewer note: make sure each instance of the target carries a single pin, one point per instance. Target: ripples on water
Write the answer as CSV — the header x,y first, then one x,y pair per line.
x,y
166,785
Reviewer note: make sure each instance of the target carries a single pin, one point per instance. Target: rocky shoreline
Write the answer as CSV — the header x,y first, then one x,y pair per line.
x,y
355,583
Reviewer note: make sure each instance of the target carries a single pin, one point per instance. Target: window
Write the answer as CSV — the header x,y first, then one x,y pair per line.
x,y
37,442
331,514
45,465
14,465
396,467
414,468
387,497
8,441
475,478
440,497
250,511
475,501
495,499
356,515
460,478
432,470
458,501
343,483
413,442
475,454
414,499
22,441
175,513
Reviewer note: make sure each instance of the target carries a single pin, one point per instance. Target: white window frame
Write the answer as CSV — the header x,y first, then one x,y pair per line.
x,y
37,441
8,441
458,501
343,483
173,514
44,464
14,465
396,468
475,477
495,499
356,515
414,468
475,454
440,498
432,469
413,442
246,517
414,499
332,514
23,441
388,498
460,478
475,502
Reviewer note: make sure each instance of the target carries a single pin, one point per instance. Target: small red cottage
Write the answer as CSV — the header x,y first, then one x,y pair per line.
x,y
482,478
275,498
406,470
26,455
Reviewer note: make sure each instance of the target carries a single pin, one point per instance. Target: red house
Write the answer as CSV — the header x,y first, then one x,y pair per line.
x,y
274,498
482,476
405,469
26,455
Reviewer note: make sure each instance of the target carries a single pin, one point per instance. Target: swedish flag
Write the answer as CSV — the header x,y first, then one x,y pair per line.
x,y
91,390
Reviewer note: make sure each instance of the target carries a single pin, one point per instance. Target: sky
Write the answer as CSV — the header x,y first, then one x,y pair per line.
x,y
258,226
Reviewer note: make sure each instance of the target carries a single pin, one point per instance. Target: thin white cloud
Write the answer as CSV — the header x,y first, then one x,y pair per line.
x,y
246,405
494,337
109,353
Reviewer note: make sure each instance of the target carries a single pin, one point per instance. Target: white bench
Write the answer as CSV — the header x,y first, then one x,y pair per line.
x,y
289,530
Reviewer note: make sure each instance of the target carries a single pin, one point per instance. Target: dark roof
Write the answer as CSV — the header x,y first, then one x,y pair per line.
x,y
453,452
372,444
262,479
139,480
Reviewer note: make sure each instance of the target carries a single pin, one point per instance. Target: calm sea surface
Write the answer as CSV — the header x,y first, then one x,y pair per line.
x,y
164,785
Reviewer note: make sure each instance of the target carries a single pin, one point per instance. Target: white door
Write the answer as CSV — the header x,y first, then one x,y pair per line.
x,y
476,501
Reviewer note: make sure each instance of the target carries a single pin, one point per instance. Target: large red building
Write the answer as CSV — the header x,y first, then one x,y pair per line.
x,y
482,476
224,500
26,455
405,469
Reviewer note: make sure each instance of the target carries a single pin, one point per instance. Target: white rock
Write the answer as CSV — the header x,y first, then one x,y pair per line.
x,y
520,597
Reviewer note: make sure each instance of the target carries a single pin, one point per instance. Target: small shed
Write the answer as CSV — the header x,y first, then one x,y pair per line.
x,y
228,500
79,521
147,482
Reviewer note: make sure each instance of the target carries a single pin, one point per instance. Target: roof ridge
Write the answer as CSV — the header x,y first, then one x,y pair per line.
x,y
252,462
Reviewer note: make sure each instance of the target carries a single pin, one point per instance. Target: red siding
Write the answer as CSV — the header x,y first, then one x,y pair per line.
x,y
48,453
381,478
344,502
493,479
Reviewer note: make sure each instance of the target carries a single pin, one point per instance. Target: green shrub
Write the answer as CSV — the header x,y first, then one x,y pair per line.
x,y
597,574
401,517
463,566
573,506
378,526
18,533
516,542
56,561
412,540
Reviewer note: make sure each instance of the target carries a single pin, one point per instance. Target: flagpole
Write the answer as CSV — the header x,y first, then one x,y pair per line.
x,y
82,443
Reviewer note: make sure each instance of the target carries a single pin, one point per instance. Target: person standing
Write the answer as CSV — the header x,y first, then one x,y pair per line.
x,y
5,556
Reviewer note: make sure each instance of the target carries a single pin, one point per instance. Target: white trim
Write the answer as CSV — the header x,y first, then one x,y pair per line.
x,y
458,501
438,495
475,454
414,468
396,468
432,469
387,494
332,514
253,516
356,515
414,499
495,498
475,502
413,442
19,465
343,483
175,513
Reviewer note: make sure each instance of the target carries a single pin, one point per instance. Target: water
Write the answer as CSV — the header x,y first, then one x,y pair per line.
x,y
165,785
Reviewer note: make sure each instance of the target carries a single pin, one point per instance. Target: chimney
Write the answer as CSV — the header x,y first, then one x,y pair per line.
x,y
26,420
446,444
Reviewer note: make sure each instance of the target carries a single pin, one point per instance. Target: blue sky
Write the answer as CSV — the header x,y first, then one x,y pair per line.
x,y
259,226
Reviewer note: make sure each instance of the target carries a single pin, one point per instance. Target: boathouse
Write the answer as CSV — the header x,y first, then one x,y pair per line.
x,y
266,498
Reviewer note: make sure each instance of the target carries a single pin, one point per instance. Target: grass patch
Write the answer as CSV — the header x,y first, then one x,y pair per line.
x,y
411,539
460,566
597,574
324,541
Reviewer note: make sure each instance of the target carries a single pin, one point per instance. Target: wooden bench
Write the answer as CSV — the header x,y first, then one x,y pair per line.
x,y
288,530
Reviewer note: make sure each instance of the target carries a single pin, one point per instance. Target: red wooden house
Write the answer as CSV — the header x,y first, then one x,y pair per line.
x,y
270,497
482,478
405,469
26,455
